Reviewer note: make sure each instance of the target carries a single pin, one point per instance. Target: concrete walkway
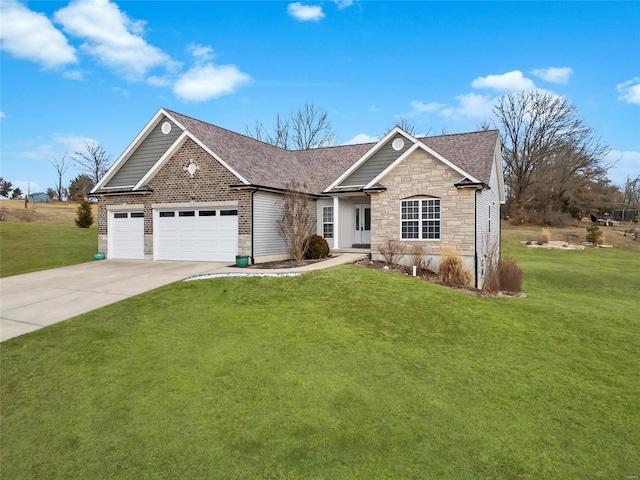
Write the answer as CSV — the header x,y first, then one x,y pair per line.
x,y
35,300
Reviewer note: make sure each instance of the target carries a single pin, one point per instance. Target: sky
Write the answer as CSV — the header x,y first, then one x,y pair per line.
x,y
98,70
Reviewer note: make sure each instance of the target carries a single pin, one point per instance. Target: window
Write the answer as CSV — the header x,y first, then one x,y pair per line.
x,y
120,215
421,219
229,213
137,214
189,213
327,222
167,214
207,213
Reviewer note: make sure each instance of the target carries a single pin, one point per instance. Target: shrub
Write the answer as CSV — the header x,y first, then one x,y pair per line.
x,y
84,218
594,234
315,246
391,251
420,260
452,271
546,235
510,276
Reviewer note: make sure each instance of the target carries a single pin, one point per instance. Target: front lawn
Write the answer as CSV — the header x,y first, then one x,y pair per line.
x,y
343,373
28,247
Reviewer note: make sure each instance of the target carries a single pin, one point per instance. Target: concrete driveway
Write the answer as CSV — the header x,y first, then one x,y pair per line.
x,y
35,300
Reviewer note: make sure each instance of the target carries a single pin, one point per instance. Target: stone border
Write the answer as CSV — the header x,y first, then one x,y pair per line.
x,y
208,276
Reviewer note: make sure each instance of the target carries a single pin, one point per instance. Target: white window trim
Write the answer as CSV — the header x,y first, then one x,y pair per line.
x,y
332,222
420,220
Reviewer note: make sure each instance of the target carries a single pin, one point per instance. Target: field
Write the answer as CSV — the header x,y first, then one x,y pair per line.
x,y
342,373
53,213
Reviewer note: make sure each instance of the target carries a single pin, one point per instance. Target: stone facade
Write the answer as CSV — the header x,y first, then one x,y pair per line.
x,y
422,175
173,184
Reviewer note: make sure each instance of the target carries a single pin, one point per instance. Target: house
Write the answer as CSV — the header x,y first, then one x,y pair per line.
x,y
39,197
188,190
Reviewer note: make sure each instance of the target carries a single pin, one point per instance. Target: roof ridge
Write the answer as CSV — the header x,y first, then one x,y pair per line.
x,y
226,130
460,133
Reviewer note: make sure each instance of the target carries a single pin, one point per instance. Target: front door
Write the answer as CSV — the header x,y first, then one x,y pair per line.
x,y
362,226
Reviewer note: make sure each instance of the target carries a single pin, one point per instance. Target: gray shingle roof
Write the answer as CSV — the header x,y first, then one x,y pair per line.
x,y
265,165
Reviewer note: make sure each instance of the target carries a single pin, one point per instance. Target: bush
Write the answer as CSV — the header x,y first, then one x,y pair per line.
x,y
315,247
84,218
545,237
594,234
510,276
391,251
420,260
452,271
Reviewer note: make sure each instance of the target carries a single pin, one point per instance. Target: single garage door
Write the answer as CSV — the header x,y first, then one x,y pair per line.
x,y
126,235
209,235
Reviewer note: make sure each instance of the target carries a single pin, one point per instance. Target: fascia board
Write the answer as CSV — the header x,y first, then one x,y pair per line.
x,y
428,150
162,160
151,124
368,155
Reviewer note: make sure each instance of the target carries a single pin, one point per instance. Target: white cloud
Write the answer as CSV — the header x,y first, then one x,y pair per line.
x,y
361,138
30,35
630,91
2,114
471,106
627,163
418,107
54,147
73,75
112,37
204,82
342,4
163,81
305,13
554,74
507,82
201,52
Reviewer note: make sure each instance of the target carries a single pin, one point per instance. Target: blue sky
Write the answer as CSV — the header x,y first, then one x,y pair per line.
x,y
98,70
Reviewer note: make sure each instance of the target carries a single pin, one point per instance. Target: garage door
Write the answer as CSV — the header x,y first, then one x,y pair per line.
x,y
126,235
196,235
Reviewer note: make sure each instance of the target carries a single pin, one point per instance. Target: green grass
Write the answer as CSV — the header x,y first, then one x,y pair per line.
x,y
30,247
343,373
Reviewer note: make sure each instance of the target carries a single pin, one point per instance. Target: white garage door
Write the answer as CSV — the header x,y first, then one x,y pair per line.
x,y
196,235
126,235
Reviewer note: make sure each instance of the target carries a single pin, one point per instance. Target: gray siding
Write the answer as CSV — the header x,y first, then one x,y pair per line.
x,y
267,210
145,156
376,164
487,224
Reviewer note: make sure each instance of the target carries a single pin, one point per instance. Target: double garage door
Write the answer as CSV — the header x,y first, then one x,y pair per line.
x,y
206,234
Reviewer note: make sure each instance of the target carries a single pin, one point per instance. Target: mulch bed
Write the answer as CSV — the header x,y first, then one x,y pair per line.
x,y
285,264
426,275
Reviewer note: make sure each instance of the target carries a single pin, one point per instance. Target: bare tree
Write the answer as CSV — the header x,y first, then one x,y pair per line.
x,y
61,166
631,191
94,161
305,128
542,139
406,125
298,220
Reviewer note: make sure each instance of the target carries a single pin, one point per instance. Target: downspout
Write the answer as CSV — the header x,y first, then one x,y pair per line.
x,y
475,237
252,217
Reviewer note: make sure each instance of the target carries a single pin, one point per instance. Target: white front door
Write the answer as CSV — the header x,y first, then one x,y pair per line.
x,y
362,225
